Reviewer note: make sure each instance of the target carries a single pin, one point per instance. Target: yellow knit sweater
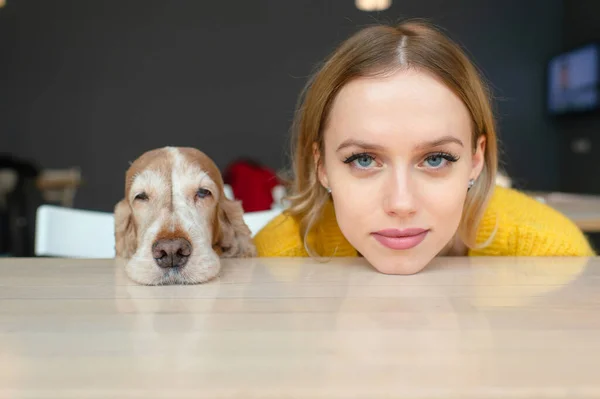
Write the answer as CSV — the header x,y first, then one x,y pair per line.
x,y
524,227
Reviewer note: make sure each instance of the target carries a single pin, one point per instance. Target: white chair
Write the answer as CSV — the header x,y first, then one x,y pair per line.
x,y
76,233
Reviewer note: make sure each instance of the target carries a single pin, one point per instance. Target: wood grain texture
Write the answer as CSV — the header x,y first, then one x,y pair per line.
x,y
299,328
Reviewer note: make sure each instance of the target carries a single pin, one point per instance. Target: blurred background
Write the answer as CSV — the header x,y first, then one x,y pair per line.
x,y
87,86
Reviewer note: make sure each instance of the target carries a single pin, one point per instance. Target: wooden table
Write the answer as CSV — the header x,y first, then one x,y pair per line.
x,y
295,328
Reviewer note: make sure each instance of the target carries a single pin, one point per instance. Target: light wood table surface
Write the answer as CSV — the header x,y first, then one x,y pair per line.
x,y
295,328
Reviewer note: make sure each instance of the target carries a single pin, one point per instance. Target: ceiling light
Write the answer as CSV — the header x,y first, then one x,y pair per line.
x,y
373,5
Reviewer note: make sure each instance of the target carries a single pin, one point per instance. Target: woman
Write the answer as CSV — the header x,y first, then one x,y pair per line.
x,y
395,158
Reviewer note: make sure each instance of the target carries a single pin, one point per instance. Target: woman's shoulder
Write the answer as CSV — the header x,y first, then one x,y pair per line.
x,y
280,237
520,225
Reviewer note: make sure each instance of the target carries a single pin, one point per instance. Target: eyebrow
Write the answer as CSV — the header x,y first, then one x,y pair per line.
x,y
370,146
359,143
441,141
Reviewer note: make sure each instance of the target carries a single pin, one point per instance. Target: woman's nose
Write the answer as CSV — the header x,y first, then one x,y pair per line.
x,y
399,197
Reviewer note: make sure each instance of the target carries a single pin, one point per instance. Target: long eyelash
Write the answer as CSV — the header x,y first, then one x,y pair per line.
x,y
354,157
447,156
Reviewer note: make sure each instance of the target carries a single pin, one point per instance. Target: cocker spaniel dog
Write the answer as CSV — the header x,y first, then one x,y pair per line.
x,y
175,223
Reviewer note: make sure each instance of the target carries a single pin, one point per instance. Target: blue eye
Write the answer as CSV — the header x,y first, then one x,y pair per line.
x,y
364,161
360,161
439,160
435,161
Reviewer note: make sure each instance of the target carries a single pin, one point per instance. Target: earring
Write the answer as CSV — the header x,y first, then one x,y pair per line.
x,y
328,190
471,183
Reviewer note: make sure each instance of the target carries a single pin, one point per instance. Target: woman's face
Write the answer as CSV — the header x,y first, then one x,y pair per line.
x,y
398,159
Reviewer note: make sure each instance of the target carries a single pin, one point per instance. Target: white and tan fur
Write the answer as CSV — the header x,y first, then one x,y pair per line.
x,y
171,209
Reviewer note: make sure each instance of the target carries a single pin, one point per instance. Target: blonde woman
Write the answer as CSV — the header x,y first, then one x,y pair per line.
x,y
395,158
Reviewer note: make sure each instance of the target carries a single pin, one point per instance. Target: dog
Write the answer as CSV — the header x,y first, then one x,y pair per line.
x,y
175,223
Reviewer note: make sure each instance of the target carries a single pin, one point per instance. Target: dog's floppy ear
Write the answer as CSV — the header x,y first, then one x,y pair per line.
x,y
235,238
125,233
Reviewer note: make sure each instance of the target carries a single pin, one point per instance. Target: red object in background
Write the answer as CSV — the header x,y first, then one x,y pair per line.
x,y
252,184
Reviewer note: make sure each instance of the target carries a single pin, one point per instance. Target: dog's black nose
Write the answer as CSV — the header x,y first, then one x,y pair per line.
x,y
171,252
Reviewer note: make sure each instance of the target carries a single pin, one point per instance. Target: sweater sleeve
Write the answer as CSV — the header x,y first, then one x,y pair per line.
x,y
279,238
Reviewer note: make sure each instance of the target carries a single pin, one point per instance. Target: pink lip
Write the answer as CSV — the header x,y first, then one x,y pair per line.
x,y
400,239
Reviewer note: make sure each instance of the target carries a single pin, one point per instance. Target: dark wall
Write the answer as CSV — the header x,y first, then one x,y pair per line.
x,y
580,135
96,83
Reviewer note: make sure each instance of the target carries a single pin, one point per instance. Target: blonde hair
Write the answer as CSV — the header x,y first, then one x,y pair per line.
x,y
376,51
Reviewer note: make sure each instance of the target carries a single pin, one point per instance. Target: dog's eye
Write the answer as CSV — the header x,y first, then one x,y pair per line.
x,y
141,197
203,193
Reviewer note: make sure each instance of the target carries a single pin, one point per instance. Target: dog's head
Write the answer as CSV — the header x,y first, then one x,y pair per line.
x,y
175,221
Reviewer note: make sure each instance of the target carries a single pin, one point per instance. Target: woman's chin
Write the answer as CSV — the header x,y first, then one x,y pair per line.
x,y
404,266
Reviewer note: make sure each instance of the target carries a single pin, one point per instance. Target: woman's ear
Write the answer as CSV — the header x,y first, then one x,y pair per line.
x,y
235,238
478,160
125,232
319,167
